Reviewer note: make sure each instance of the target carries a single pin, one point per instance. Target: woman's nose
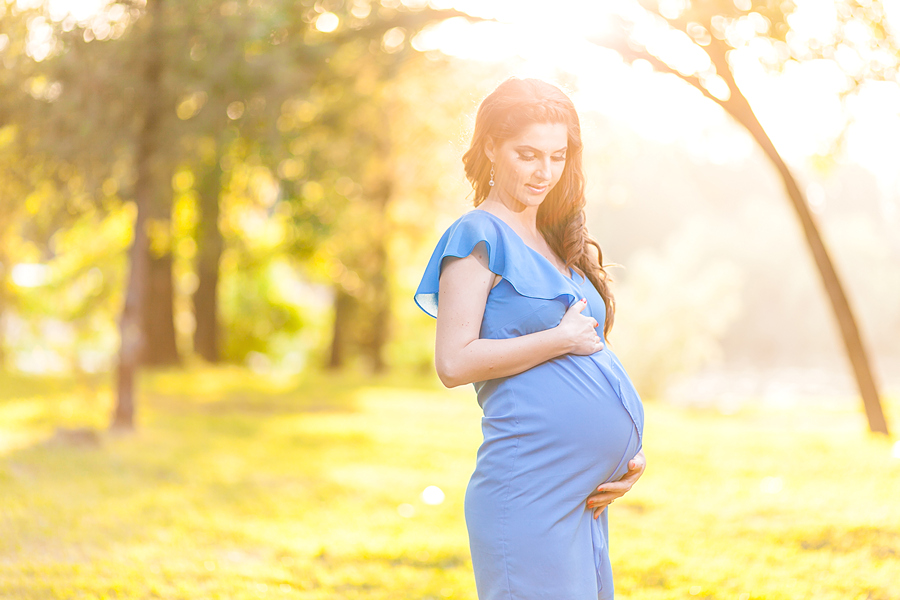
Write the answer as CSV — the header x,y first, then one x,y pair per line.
x,y
544,169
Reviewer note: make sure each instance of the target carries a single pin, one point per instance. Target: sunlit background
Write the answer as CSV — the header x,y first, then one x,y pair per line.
x,y
294,163
673,180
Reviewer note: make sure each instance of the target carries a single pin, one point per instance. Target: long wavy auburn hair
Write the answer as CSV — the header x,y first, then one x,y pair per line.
x,y
515,104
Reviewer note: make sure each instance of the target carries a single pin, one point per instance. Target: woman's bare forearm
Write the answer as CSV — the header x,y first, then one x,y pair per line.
x,y
483,359
462,356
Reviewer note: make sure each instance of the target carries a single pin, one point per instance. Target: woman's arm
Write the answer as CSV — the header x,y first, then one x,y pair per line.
x,y
461,357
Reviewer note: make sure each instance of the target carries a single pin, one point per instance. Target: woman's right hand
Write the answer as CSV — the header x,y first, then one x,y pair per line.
x,y
580,330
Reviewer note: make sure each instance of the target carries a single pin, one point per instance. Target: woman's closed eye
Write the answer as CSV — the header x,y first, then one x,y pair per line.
x,y
554,158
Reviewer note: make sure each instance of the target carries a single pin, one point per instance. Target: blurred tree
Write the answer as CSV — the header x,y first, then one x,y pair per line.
x,y
366,118
218,79
209,253
42,193
151,166
717,27
340,130
12,187
15,170
278,78
162,84
85,111
361,156
64,252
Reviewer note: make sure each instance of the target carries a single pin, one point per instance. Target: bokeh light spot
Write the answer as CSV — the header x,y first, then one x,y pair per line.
x,y
393,39
432,495
327,22
190,105
235,110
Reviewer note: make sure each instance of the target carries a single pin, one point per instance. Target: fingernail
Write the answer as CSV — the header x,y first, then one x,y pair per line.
x,y
599,489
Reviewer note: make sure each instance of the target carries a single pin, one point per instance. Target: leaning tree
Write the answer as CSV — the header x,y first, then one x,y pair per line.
x,y
719,27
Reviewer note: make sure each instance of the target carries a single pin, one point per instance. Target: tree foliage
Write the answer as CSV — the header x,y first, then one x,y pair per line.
x,y
250,138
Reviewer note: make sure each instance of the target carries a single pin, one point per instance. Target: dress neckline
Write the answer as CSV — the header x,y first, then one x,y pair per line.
x,y
570,277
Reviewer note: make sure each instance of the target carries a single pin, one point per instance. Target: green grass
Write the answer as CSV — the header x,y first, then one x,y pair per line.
x,y
235,486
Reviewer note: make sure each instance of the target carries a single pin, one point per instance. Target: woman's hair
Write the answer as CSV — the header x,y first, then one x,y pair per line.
x,y
515,104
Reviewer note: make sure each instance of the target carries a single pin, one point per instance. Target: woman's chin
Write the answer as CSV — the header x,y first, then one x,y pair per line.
x,y
532,199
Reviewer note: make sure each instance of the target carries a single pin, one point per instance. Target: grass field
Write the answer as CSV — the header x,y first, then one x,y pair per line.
x,y
236,487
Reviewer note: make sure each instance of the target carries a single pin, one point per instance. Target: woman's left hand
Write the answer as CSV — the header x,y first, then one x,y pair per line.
x,y
608,492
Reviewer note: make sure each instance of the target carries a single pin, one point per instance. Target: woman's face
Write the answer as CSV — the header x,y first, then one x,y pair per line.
x,y
528,165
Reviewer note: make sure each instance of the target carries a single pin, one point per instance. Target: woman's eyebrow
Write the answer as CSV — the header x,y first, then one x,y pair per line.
x,y
537,151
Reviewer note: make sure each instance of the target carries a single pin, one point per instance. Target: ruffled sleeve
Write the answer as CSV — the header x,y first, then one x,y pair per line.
x,y
508,256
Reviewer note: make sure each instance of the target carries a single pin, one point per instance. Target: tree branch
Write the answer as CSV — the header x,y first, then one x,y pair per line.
x,y
631,54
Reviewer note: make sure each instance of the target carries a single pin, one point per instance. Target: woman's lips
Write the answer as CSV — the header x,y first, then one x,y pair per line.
x,y
537,189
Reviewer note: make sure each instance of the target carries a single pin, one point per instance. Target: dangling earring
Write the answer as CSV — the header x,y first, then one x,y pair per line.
x,y
491,182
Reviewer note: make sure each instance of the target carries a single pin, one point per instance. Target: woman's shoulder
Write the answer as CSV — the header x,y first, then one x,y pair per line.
x,y
506,256
478,220
474,227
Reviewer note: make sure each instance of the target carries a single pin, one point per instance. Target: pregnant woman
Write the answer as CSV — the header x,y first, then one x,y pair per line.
x,y
523,309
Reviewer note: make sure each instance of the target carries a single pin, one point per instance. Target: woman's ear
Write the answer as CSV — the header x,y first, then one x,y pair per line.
x,y
490,149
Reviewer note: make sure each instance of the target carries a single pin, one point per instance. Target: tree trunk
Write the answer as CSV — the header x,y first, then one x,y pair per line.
x,y
853,343
344,305
130,324
158,310
381,324
147,165
378,283
160,348
209,251
739,108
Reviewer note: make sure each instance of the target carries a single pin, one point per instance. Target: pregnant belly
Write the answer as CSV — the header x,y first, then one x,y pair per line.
x,y
559,426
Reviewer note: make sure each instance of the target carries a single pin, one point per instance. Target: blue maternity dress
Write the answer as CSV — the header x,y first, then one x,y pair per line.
x,y
552,434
